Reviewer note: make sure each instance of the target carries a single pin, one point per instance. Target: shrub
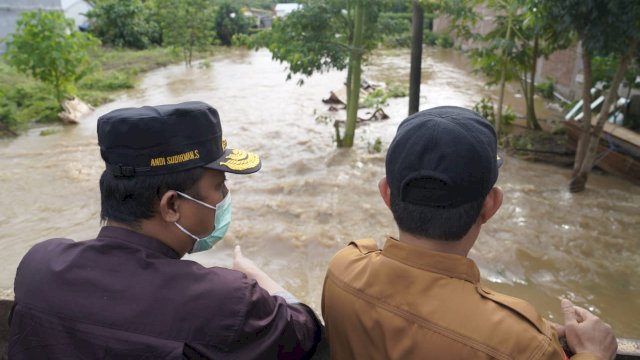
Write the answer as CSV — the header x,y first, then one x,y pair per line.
x,y
107,82
123,23
46,46
545,88
230,21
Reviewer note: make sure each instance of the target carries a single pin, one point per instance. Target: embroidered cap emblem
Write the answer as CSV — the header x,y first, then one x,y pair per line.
x,y
240,160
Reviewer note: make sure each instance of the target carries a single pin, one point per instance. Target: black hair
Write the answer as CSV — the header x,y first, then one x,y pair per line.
x,y
129,200
438,223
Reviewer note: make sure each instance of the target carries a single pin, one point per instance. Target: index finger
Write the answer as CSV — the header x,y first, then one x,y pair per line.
x,y
237,252
582,314
569,310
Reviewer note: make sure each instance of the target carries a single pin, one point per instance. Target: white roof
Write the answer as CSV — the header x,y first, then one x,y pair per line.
x,y
285,8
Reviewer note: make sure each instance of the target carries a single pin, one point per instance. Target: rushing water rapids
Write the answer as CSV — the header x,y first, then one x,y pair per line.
x,y
309,200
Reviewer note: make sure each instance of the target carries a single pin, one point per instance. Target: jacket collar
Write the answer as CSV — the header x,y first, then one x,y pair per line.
x,y
451,265
137,239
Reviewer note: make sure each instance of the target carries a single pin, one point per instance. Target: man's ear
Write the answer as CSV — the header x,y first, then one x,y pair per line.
x,y
491,204
385,192
169,209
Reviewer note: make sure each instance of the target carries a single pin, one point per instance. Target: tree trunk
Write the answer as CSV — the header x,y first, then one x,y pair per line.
x,y
355,60
532,120
348,83
417,23
579,181
500,100
583,140
503,72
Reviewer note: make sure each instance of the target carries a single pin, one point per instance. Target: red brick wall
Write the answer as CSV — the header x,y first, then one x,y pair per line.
x,y
563,66
560,66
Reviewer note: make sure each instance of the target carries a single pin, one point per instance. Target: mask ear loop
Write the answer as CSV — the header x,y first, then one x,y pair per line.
x,y
186,231
201,203
198,201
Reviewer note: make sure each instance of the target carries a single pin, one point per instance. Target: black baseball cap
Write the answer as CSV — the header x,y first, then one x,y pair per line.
x,y
155,140
443,157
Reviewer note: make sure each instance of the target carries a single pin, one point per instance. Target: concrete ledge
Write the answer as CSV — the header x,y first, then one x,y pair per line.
x,y
628,349
5,308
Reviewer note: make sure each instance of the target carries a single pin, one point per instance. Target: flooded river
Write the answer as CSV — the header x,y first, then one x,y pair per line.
x,y
310,199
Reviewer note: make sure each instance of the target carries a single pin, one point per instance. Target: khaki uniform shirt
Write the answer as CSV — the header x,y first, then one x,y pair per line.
x,y
406,302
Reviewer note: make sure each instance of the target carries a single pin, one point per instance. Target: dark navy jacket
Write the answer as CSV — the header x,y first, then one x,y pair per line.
x,y
128,296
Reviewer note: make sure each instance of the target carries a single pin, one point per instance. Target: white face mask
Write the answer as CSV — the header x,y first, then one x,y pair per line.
x,y
221,223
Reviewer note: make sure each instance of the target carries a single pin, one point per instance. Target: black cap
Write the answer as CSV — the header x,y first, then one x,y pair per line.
x,y
155,140
443,157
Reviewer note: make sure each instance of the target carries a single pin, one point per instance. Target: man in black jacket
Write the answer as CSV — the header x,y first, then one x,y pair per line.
x,y
127,294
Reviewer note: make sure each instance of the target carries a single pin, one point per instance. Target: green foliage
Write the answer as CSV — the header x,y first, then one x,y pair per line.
x,y
604,68
325,35
241,40
124,23
546,88
444,41
396,6
489,61
375,99
33,101
8,120
395,91
603,26
522,33
396,28
261,4
230,21
308,40
378,97
47,132
318,37
22,100
509,116
376,147
135,61
486,108
186,25
107,82
46,46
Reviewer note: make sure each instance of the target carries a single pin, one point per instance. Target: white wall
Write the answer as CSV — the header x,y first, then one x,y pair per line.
x,y
10,11
76,10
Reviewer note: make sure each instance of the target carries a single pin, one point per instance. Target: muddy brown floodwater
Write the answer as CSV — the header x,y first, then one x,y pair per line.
x,y
310,199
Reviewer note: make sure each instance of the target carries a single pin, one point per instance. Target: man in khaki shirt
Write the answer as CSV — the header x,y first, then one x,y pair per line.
x,y
419,297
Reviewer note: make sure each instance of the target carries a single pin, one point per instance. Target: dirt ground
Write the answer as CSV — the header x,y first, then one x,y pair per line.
x,y
548,145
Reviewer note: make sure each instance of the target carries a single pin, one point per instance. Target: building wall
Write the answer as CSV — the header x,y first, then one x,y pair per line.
x,y
10,11
563,66
76,10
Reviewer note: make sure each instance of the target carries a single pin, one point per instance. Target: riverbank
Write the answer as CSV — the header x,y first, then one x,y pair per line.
x,y
549,145
26,102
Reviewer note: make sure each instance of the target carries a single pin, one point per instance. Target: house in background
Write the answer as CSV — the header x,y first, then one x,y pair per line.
x,y
76,10
261,18
10,11
284,9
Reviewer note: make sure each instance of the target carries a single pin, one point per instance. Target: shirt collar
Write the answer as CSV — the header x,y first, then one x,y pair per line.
x,y
136,238
451,265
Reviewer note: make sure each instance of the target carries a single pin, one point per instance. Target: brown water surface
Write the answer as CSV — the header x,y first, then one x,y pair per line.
x,y
310,199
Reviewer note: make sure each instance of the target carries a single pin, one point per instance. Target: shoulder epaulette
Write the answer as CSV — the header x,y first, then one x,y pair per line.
x,y
365,246
520,306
